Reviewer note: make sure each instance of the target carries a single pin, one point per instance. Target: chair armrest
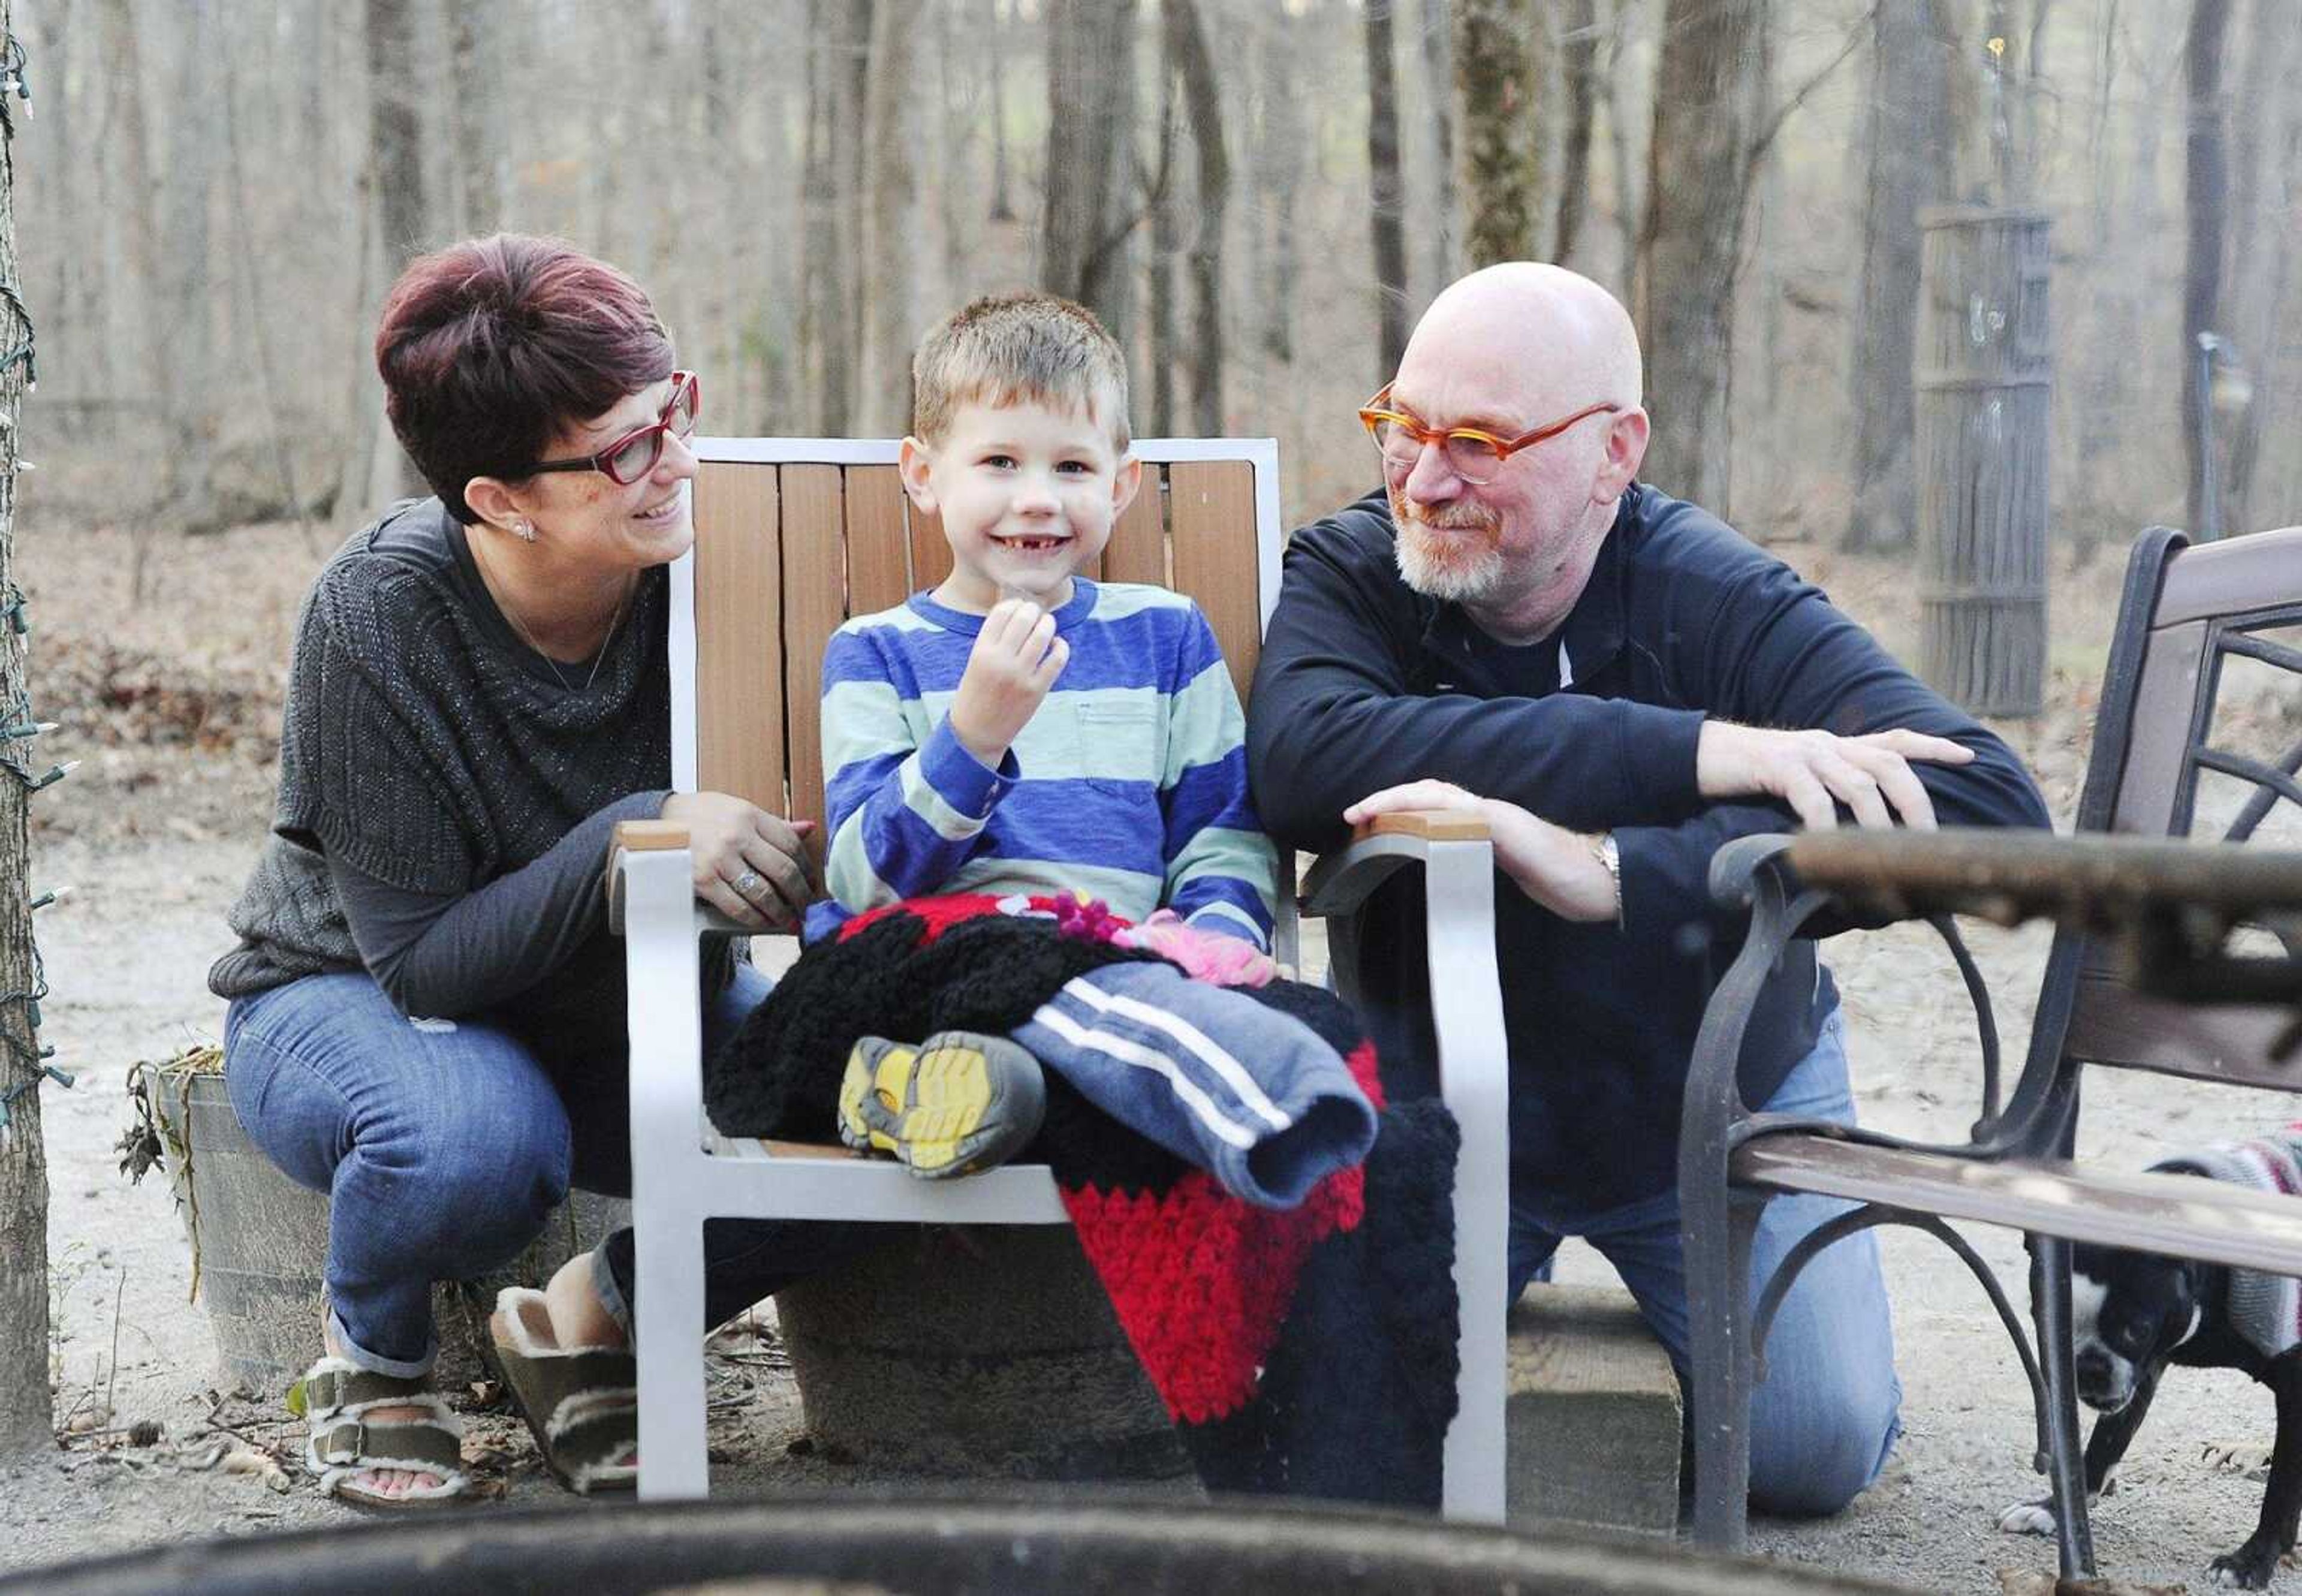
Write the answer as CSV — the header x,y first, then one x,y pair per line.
x,y
1339,882
656,836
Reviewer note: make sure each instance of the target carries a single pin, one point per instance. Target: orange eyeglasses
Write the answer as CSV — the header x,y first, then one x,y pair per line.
x,y
1475,456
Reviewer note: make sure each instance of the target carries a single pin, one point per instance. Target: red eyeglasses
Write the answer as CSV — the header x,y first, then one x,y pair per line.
x,y
633,455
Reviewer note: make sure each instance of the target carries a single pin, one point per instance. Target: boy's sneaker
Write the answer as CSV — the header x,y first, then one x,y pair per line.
x,y
954,1103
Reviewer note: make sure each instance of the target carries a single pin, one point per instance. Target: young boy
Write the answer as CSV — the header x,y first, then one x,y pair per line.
x,y
1021,730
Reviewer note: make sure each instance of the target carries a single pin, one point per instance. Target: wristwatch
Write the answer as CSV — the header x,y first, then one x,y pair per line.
x,y
1604,850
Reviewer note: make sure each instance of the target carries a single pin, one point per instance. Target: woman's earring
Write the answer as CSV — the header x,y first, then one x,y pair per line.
x,y
524,530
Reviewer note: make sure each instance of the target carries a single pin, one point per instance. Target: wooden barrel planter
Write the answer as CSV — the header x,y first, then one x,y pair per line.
x,y
959,1352
1985,372
259,1242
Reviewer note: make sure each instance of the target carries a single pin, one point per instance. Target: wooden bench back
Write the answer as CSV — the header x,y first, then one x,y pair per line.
x,y
793,536
2167,721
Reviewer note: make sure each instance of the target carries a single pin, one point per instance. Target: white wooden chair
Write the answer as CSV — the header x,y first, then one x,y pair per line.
x,y
791,537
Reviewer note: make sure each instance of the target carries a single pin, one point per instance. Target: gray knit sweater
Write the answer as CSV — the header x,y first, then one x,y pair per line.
x,y
428,749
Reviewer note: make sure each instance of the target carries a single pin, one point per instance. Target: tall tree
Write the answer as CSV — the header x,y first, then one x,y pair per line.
x,y
1444,263
1507,74
188,359
830,234
481,109
1910,154
1579,72
890,241
1709,85
2268,200
1280,147
399,206
1084,232
25,1414
1201,99
2205,210
1385,213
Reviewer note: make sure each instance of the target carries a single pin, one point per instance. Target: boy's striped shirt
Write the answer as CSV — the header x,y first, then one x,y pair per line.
x,y
1129,784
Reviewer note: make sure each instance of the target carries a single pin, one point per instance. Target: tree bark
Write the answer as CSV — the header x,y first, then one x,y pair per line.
x,y
1167,241
1002,208
1202,94
395,130
1444,262
188,343
1084,252
2262,270
1285,135
890,244
2205,210
838,33
1707,99
1579,56
1382,168
26,1413
482,118
1910,156
1507,75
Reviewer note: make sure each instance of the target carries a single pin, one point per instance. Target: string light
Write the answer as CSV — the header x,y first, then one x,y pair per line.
x,y
22,725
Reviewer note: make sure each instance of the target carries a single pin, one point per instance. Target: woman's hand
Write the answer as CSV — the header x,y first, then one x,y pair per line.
x,y
1559,869
750,865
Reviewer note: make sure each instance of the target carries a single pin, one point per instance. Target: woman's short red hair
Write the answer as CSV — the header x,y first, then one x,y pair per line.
x,y
490,348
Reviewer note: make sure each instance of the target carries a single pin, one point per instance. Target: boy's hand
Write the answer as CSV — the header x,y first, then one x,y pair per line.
x,y
1016,659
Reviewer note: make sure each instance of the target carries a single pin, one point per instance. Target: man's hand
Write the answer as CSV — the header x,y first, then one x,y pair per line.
x,y
1559,869
751,865
1814,771
1016,659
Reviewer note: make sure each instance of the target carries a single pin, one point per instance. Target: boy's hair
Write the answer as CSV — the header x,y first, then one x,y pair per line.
x,y
1015,348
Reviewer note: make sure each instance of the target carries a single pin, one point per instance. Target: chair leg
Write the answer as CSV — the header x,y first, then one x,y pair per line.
x,y
1718,1314
668,1317
2050,1298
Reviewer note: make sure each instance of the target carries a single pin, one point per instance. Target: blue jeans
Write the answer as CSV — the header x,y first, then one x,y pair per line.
x,y
443,1145
1824,1420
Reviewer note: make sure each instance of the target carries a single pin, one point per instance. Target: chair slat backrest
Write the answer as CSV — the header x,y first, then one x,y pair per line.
x,y
2171,767
795,535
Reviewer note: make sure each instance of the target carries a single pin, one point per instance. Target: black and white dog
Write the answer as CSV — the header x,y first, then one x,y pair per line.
x,y
2132,1313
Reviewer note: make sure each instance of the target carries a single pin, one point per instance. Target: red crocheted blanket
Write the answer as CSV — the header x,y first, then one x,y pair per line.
x,y
1309,1351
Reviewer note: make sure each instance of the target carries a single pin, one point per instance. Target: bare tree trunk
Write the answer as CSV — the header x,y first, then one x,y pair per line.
x,y
187,344
1445,262
26,1413
1579,54
1909,155
2206,207
1195,67
1083,241
1507,72
1707,101
1382,169
1002,208
889,240
402,212
482,117
2264,271
1279,169
830,233
1166,241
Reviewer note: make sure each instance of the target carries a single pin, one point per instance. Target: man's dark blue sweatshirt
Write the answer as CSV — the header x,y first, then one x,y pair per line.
x,y
1365,684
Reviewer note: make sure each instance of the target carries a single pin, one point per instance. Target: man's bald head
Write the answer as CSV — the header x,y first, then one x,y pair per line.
x,y
1532,328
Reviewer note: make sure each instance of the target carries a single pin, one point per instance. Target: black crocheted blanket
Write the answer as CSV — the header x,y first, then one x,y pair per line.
x,y
1308,1353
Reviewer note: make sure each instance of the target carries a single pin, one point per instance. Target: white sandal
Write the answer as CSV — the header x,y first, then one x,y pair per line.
x,y
333,1397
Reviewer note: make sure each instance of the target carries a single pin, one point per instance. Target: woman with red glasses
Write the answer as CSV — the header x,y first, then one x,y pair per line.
x,y
427,1012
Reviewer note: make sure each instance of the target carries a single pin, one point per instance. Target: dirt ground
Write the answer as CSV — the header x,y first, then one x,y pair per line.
x,y
165,664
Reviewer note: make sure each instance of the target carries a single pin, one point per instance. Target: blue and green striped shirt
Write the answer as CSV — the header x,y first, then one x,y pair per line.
x,y
1129,784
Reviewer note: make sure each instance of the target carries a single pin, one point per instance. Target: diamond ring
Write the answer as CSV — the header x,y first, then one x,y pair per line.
x,y
746,883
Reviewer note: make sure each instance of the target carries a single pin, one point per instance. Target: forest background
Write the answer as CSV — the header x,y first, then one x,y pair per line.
x,y
1258,195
